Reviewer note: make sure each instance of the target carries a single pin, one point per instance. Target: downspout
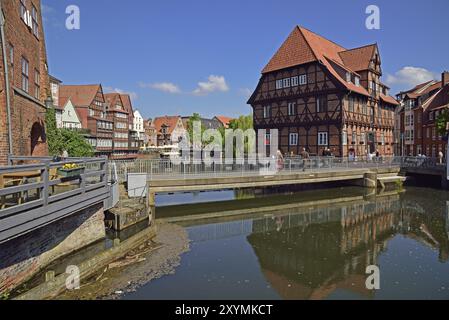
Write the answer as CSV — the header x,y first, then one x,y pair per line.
x,y
6,69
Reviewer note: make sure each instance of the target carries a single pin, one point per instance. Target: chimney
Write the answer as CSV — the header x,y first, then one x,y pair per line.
x,y
445,78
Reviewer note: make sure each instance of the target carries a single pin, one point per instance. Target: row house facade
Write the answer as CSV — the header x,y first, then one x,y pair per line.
x,y
150,137
24,80
90,107
169,130
418,113
135,143
320,95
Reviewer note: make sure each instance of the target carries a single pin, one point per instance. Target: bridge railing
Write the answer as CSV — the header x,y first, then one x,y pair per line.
x,y
165,168
38,190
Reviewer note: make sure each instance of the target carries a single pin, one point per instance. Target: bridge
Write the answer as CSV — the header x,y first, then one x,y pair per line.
x,y
151,177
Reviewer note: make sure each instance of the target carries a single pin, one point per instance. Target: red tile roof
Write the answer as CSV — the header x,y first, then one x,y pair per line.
x,y
112,99
304,46
224,120
126,99
80,95
389,99
169,121
359,58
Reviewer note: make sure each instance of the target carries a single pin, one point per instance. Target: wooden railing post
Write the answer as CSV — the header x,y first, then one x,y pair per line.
x,y
45,180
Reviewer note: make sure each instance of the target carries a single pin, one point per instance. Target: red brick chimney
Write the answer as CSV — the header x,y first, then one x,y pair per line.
x,y
445,78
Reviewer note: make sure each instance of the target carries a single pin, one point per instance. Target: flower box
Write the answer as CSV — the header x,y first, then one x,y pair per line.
x,y
71,173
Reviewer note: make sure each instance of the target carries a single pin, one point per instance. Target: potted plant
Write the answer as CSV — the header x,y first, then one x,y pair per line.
x,y
70,170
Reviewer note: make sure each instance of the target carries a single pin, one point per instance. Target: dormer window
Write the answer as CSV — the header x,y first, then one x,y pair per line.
x,y
357,81
348,77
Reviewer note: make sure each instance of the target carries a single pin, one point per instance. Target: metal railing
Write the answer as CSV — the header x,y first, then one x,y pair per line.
x,y
167,169
34,192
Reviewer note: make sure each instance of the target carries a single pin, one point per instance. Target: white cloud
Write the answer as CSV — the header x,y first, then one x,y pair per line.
x,y
410,76
162,86
133,95
214,83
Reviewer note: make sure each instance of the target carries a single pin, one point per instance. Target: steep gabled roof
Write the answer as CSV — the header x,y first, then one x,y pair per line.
x,y
358,59
438,100
294,51
169,121
112,99
127,104
80,95
303,46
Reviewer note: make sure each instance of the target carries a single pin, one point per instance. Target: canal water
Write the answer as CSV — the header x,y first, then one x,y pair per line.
x,y
315,244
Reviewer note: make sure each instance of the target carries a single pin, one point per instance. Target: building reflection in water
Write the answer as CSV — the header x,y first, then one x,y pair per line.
x,y
311,253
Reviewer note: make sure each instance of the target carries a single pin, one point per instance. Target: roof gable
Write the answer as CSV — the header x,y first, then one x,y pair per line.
x,y
170,122
294,51
80,95
359,58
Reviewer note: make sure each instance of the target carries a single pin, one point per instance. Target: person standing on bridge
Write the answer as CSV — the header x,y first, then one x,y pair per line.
x,y
440,157
280,160
305,158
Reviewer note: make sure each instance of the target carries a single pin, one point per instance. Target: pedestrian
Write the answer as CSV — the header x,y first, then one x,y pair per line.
x,y
440,157
305,158
280,160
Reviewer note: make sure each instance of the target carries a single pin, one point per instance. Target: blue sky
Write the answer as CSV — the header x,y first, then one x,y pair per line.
x,y
184,56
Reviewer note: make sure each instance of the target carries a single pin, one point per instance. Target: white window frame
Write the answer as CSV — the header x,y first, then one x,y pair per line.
x,y
291,108
344,138
348,77
25,75
279,84
293,139
323,138
286,83
295,81
266,112
357,81
303,79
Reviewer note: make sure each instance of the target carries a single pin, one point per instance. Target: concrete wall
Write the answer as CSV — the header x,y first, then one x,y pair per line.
x,y
22,258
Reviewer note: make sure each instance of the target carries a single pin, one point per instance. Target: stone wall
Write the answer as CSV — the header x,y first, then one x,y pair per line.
x,y
22,258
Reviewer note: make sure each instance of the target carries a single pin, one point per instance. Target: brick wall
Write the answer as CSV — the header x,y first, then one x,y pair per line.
x,y
27,109
22,258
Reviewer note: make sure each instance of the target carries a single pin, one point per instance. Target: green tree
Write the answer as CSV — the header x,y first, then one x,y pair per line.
x,y
54,137
442,121
63,139
76,144
243,123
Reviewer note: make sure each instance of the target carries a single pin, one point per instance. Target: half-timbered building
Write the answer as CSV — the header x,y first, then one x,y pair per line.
x,y
321,95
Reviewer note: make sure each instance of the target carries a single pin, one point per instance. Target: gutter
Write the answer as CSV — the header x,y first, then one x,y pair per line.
x,y
6,69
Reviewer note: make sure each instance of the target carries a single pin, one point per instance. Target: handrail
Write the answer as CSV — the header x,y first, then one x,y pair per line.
x,y
39,190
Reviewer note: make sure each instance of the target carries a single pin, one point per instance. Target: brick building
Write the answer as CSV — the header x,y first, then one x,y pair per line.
x,y
26,83
150,139
419,110
90,106
119,110
320,95
134,141
169,130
